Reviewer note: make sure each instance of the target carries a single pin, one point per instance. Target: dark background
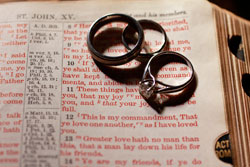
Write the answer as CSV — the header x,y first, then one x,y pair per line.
x,y
238,7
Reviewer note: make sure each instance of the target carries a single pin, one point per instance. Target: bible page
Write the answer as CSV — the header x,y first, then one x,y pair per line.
x,y
58,108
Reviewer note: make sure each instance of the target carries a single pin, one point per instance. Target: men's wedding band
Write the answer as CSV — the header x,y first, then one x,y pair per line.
x,y
120,59
146,24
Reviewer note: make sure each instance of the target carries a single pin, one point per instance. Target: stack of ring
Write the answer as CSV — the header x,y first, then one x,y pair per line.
x,y
118,60
148,87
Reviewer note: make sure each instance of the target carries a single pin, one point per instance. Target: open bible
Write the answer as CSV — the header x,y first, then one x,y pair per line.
x,y
58,108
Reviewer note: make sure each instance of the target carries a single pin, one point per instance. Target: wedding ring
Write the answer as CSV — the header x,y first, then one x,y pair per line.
x,y
150,87
129,37
120,59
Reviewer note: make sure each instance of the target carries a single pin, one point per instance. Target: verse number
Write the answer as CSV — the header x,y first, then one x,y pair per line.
x,y
69,116
71,63
68,161
70,89
68,138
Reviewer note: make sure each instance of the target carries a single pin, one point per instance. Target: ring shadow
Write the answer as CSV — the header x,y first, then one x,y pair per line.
x,y
112,37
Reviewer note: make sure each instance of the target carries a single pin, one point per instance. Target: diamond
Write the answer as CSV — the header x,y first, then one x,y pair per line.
x,y
145,89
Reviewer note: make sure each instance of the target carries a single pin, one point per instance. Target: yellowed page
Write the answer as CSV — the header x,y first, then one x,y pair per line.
x,y
64,113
